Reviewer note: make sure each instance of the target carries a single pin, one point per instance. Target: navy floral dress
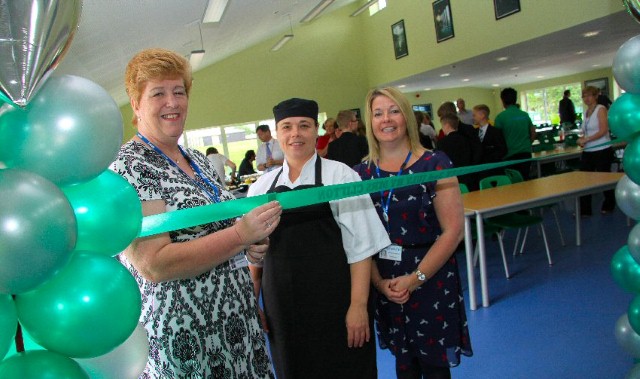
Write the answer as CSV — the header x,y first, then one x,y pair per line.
x,y
432,325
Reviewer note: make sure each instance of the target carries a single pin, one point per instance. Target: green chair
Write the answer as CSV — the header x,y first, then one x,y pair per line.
x,y
516,177
571,140
514,220
488,230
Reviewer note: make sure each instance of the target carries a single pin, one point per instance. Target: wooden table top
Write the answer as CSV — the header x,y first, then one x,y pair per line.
x,y
559,151
538,191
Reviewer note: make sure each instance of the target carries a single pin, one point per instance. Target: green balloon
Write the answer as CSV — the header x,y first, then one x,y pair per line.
x,y
625,270
27,342
86,310
623,116
8,323
634,313
631,160
108,212
41,364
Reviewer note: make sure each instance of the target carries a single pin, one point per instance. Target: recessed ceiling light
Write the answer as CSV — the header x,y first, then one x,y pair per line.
x,y
595,65
502,59
495,85
581,52
445,75
540,76
591,33
515,68
466,79
427,89
402,86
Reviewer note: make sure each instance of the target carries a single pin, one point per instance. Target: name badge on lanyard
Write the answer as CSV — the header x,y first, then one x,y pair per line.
x,y
392,253
238,261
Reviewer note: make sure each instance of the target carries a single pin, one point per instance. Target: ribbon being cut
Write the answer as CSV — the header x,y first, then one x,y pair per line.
x,y
187,218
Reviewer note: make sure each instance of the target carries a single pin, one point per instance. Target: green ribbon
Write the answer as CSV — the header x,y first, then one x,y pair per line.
x,y
186,218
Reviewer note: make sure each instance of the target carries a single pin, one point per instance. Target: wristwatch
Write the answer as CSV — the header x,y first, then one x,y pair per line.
x,y
421,277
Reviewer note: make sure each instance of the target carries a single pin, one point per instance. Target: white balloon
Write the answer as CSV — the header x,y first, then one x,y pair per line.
x,y
126,361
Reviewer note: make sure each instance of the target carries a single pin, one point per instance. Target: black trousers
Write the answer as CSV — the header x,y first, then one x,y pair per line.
x,y
597,161
525,167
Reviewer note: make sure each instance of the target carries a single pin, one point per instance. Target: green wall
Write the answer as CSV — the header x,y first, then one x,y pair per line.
x,y
337,58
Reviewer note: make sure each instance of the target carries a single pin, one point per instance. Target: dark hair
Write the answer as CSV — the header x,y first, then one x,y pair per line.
x,y
249,154
509,96
419,117
567,92
450,119
263,128
211,150
446,107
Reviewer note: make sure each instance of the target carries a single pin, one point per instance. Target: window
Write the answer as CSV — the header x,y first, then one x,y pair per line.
x,y
377,7
542,104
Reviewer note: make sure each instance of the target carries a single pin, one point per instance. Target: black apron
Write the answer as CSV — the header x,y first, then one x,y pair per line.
x,y
306,286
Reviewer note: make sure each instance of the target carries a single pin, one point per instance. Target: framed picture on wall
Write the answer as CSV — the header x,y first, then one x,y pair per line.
x,y
399,39
601,83
442,20
506,8
426,108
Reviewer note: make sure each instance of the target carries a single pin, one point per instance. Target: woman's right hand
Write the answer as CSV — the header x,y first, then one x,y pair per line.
x,y
259,223
398,297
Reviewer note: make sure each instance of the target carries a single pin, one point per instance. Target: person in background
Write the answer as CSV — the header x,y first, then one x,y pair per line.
x,y
465,129
595,157
348,148
218,161
198,306
458,148
465,115
269,156
246,166
494,147
322,146
517,129
427,131
315,277
566,109
603,99
361,129
420,314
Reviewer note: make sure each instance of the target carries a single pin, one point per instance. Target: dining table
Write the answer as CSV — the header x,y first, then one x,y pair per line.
x,y
482,204
558,154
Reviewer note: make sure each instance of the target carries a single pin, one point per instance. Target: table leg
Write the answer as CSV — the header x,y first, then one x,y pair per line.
x,y
484,286
578,236
468,251
539,169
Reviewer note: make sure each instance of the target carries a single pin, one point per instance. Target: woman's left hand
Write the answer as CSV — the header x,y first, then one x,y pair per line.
x,y
357,325
405,282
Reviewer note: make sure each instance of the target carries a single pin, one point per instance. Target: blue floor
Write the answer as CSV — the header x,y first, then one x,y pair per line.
x,y
548,322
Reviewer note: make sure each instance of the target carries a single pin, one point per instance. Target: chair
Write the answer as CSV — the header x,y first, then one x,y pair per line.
x,y
571,139
488,231
516,177
514,220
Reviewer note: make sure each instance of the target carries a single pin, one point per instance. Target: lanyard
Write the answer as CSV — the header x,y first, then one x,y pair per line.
x,y
385,204
215,196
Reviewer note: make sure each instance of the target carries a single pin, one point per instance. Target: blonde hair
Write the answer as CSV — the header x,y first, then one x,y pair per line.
x,y
407,112
591,90
155,64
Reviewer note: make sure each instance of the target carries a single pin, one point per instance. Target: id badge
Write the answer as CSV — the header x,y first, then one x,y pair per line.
x,y
392,252
238,261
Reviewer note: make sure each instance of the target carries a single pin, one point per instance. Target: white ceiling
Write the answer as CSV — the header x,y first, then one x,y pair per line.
x,y
112,31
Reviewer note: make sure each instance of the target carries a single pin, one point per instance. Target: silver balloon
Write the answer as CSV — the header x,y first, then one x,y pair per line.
x,y
69,133
626,337
34,36
626,65
634,373
126,361
37,230
628,197
633,8
633,243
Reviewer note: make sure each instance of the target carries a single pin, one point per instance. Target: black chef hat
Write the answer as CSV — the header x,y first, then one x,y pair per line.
x,y
296,108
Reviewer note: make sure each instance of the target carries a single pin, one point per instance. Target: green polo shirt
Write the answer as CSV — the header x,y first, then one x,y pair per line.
x,y
515,125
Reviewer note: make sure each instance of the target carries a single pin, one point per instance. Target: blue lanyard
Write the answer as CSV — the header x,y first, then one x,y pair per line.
x,y
215,196
385,204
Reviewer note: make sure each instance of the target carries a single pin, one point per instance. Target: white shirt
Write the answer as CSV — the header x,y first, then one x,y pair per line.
x,y
482,131
218,161
276,153
466,117
591,126
363,234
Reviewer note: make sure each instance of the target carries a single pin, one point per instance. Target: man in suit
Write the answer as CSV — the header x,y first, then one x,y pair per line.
x,y
566,109
494,147
467,130
349,148
457,146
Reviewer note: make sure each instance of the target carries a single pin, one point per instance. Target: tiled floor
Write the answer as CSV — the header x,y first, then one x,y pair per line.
x,y
549,322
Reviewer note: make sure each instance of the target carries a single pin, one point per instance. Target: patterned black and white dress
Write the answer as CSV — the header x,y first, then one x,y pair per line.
x,y
203,327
